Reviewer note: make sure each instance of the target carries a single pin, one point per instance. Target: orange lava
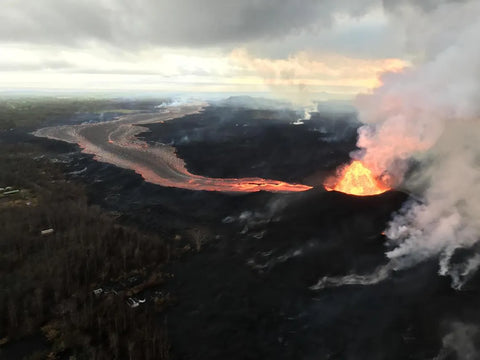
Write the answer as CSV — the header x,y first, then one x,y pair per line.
x,y
357,179
116,143
245,185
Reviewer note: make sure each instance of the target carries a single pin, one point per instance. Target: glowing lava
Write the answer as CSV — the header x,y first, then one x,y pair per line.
x,y
356,179
116,142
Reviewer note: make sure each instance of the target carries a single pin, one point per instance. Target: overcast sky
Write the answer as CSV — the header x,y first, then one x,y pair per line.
x,y
308,48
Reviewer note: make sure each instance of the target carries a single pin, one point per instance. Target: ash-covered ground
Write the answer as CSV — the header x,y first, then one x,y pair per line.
x,y
243,291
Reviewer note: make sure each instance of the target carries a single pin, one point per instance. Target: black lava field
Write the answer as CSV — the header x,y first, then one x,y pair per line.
x,y
246,294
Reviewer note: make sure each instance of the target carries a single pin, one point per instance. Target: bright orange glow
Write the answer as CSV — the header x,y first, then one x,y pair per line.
x,y
115,142
357,179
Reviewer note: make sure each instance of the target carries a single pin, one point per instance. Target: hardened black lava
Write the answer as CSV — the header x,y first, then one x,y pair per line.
x,y
245,294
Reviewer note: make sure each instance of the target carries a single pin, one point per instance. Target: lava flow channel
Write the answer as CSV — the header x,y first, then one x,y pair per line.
x,y
356,179
115,142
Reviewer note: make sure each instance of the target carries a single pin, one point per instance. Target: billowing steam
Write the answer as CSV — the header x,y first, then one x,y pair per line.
x,y
430,112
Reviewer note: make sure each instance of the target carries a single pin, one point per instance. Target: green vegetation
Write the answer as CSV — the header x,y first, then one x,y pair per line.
x,y
31,112
47,282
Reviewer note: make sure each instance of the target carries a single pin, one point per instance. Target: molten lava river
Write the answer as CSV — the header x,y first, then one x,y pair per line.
x,y
356,179
115,142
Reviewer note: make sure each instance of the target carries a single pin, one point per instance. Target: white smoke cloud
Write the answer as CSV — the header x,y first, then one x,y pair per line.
x,y
461,273
431,112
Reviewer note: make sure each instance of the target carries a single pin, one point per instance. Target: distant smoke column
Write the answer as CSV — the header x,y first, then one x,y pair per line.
x,y
430,112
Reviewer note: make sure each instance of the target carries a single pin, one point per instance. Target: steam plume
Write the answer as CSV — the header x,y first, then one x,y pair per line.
x,y
430,112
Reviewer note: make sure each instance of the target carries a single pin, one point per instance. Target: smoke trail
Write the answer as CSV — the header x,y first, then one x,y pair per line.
x,y
304,78
380,274
430,112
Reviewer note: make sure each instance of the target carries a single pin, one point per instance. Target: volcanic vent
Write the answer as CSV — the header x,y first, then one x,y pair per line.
x,y
356,179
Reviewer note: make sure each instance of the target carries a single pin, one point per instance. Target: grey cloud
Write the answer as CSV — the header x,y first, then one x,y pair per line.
x,y
424,5
270,27
166,23
52,21
364,40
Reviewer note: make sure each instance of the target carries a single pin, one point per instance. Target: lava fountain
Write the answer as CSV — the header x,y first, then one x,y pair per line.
x,y
356,179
